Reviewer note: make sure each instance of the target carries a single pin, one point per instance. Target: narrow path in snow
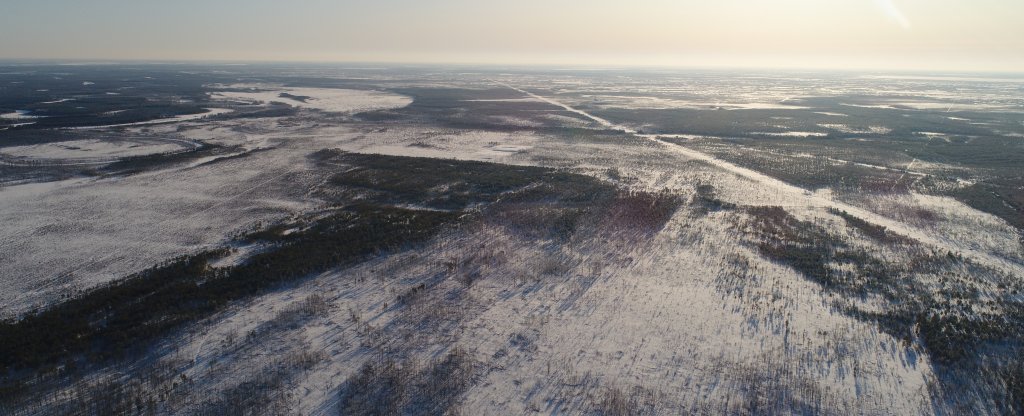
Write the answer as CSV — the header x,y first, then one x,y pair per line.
x,y
599,120
909,166
801,196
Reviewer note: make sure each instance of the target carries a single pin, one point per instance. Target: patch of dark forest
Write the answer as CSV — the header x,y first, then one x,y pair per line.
x,y
954,319
991,164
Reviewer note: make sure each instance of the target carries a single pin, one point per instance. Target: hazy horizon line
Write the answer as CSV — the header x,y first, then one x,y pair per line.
x,y
493,64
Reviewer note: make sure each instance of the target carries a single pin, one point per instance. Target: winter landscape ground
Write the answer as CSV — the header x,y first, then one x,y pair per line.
x,y
329,239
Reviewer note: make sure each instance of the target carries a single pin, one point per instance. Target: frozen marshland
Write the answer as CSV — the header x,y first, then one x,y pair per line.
x,y
311,240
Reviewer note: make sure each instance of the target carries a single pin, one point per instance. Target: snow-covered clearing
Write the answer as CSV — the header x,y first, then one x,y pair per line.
x,y
79,234
18,115
210,112
97,148
656,103
332,100
444,144
793,134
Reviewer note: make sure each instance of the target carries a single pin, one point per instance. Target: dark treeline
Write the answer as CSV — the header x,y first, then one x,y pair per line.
x,y
1002,197
387,387
873,231
136,164
116,319
456,185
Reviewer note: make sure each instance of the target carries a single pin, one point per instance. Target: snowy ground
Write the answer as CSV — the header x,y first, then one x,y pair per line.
x,y
325,99
210,112
656,319
78,235
688,320
96,148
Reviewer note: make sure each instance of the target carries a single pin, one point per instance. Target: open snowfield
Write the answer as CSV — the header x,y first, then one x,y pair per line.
x,y
210,112
95,148
324,99
634,102
17,115
78,236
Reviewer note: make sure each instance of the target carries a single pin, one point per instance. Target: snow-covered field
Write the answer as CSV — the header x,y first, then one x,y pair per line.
x,y
84,232
794,134
635,102
18,115
325,99
95,148
210,112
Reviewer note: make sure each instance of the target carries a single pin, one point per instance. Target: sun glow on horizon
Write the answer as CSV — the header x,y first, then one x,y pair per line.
x,y
896,34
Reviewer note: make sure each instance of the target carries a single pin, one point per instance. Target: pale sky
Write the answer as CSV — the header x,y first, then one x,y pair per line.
x,y
855,34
